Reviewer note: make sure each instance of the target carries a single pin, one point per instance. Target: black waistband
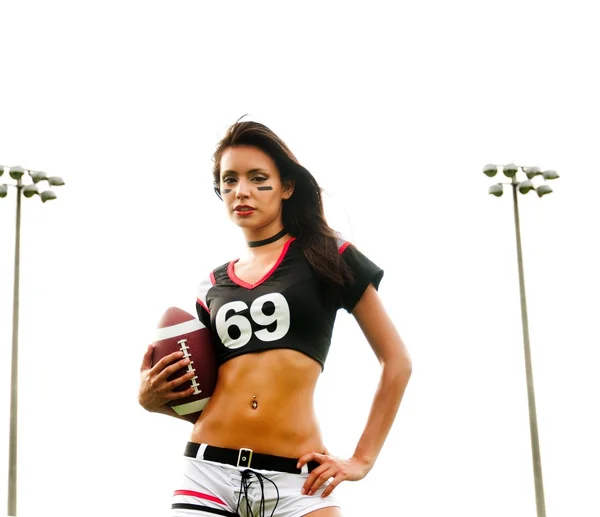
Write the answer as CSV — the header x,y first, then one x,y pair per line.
x,y
247,458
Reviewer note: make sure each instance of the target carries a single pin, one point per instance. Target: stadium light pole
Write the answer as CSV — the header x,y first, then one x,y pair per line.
x,y
511,171
27,190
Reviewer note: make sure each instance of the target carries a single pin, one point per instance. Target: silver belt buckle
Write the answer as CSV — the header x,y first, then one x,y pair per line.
x,y
245,458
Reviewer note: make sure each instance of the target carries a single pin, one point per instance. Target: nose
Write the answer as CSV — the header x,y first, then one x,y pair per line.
x,y
242,189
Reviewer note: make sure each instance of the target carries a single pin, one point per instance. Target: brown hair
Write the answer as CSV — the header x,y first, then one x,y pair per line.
x,y
302,214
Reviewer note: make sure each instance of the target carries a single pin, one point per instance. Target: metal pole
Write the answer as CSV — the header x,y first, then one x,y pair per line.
x,y
12,458
535,445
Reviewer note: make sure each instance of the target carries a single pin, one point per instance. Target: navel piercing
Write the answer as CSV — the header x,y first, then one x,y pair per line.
x,y
254,402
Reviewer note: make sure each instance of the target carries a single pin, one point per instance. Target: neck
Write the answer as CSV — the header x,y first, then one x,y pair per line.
x,y
269,240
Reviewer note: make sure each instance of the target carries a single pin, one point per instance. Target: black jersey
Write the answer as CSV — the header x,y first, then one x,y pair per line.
x,y
287,308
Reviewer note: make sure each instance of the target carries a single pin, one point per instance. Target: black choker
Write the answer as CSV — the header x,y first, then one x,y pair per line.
x,y
276,237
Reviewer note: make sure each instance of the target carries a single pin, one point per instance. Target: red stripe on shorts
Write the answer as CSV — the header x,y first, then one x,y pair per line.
x,y
200,495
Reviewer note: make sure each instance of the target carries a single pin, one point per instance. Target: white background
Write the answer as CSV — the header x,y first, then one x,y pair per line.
x,y
395,108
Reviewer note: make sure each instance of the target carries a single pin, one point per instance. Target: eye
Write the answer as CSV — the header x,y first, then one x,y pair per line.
x,y
259,179
229,180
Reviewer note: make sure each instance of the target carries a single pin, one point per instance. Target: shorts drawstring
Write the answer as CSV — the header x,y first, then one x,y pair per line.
x,y
245,485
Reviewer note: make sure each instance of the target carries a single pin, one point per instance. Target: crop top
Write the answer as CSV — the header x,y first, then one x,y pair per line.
x,y
287,308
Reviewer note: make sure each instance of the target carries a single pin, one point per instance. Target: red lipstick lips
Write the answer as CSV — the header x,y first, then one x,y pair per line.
x,y
244,210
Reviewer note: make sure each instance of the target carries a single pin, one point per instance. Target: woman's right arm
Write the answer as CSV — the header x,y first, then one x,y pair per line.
x,y
155,390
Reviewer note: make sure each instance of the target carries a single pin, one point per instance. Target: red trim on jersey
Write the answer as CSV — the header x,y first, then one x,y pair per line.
x,y
343,247
199,495
234,278
201,297
202,303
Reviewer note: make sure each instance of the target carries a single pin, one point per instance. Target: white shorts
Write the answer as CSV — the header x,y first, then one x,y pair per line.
x,y
208,488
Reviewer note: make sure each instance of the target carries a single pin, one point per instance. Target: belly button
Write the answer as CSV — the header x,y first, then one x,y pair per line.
x,y
254,402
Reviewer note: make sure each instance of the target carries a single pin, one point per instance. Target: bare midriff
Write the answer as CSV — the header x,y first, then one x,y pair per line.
x,y
264,401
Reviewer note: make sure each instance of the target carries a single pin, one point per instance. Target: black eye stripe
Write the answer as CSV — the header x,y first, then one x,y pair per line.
x,y
226,190
264,188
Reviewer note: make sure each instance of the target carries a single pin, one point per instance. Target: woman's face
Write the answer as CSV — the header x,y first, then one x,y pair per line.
x,y
251,188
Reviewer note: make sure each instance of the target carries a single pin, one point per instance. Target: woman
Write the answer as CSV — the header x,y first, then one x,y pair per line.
x,y
257,449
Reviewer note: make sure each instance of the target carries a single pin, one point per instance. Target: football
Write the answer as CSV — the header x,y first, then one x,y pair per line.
x,y
178,330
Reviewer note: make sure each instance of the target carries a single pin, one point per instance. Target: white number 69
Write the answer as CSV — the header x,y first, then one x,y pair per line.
x,y
281,316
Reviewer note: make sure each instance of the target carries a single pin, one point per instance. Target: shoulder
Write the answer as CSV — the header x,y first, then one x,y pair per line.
x,y
219,274
348,251
363,272
342,244
210,279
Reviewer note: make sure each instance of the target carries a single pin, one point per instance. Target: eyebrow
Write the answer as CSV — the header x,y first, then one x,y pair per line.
x,y
251,171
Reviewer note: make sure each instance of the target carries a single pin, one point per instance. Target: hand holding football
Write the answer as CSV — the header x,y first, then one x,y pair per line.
x,y
178,330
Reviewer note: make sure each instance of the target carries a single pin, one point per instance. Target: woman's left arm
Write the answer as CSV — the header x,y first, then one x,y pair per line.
x,y
396,368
